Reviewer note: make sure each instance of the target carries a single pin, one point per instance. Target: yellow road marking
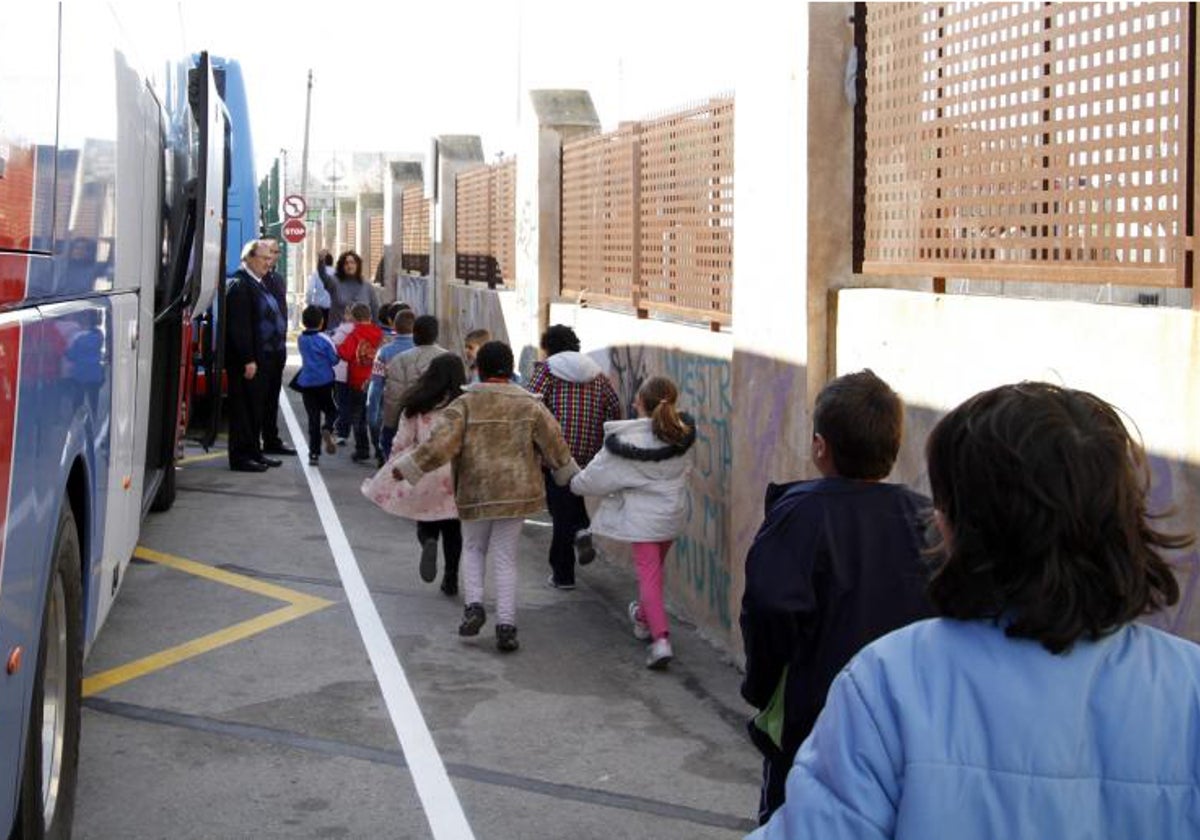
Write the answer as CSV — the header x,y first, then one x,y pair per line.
x,y
208,456
299,605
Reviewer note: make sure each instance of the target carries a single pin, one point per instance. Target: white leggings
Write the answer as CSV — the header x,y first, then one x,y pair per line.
x,y
494,539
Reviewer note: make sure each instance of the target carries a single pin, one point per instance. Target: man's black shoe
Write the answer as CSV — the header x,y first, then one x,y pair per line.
x,y
268,462
278,449
248,466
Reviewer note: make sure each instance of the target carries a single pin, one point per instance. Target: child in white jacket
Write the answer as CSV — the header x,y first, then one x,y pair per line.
x,y
642,474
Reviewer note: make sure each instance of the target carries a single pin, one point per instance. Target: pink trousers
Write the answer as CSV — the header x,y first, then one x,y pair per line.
x,y
648,557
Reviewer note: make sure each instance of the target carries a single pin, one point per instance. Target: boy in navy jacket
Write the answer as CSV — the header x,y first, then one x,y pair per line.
x,y
836,564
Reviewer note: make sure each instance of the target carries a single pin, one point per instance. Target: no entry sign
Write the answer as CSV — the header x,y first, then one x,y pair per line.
x,y
294,231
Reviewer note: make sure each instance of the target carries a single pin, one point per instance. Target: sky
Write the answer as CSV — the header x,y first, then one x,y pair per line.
x,y
389,76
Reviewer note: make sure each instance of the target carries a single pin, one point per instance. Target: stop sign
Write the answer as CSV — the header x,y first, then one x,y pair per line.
x,y
294,231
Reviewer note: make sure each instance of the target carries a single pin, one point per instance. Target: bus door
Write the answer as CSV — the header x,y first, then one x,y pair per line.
x,y
209,251
194,278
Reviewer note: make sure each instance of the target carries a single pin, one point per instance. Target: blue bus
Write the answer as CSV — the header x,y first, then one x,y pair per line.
x,y
112,192
243,222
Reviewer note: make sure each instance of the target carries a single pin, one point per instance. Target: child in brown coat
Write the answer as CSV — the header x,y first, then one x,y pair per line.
x,y
497,435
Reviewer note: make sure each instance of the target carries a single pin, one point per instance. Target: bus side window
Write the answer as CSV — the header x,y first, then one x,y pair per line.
x,y
29,44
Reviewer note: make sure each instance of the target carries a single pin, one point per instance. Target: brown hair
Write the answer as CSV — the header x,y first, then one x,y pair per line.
x,y
403,321
862,420
658,395
1045,495
477,338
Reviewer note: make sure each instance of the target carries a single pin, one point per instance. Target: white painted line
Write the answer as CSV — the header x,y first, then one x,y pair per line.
x,y
442,808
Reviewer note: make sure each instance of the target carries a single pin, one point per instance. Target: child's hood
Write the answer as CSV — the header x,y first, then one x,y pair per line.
x,y
574,366
635,440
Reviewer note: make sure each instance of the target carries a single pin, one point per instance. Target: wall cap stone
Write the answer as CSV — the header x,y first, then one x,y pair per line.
x,y
564,108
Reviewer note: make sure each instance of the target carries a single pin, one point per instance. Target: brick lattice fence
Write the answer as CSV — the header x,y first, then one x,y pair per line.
x,y
1033,142
648,215
414,242
486,224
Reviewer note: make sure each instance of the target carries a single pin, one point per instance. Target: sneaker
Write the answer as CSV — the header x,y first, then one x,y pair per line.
x,y
449,587
585,552
553,584
506,638
330,443
641,631
360,457
314,460
473,618
659,654
428,567
341,441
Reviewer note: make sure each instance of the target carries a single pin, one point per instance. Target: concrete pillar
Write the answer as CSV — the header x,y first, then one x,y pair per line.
x,y
778,306
347,208
557,117
368,206
398,175
454,153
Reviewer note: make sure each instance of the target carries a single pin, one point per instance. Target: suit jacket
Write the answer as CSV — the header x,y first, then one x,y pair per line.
x,y
277,286
254,330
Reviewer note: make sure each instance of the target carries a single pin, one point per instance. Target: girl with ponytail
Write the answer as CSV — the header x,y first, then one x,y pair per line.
x,y
641,475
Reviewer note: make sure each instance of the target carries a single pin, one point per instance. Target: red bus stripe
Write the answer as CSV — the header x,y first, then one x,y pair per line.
x,y
10,375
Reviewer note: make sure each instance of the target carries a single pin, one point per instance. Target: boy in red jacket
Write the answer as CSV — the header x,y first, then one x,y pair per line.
x,y
358,349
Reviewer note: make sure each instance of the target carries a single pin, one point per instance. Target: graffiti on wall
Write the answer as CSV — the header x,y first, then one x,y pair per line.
x,y
767,437
700,572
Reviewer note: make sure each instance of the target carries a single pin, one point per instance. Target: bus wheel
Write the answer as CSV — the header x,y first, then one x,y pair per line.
x,y
47,804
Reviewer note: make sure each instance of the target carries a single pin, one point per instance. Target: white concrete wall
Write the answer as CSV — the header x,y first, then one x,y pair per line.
x,y
700,579
477,307
937,350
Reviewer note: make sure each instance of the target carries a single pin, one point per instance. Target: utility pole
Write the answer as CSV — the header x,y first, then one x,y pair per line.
x,y
304,158
304,172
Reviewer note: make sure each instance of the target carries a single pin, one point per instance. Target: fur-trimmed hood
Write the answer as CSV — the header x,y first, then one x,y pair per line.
x,y
574,366
635,439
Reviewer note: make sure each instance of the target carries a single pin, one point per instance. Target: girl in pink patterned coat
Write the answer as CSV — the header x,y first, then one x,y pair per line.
x,y
431,500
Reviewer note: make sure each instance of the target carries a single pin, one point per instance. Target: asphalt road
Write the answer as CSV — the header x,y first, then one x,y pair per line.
x,y
247,685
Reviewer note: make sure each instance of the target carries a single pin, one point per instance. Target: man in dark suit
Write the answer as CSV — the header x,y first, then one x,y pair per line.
x,y
272,369
254,333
